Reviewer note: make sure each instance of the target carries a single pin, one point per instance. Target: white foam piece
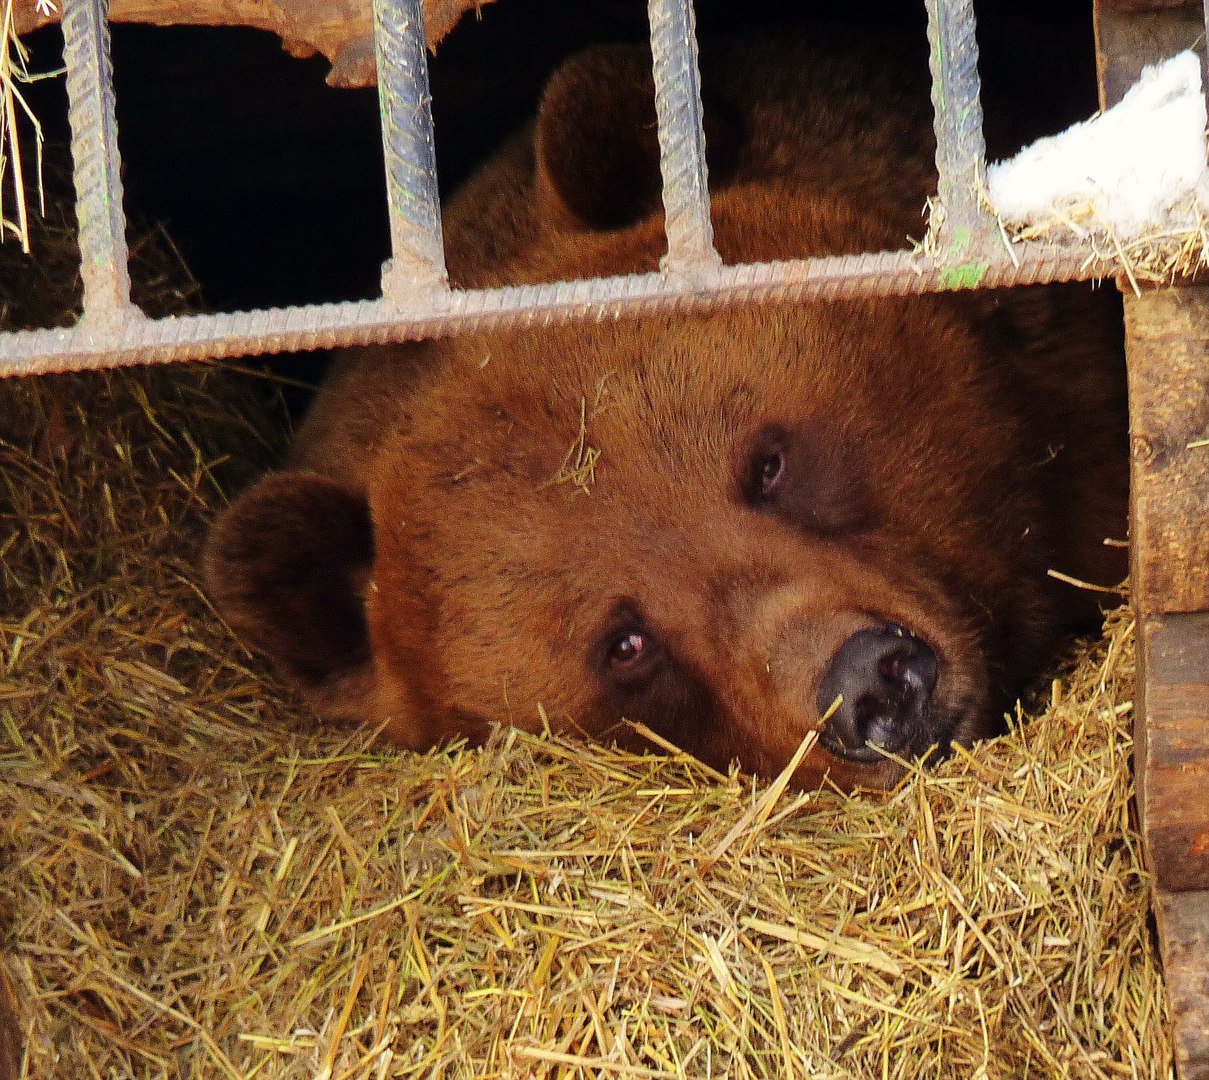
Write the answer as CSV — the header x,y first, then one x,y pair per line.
x,y
1134,168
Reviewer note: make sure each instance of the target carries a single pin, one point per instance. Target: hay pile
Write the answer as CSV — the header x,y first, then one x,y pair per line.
x,y
198,881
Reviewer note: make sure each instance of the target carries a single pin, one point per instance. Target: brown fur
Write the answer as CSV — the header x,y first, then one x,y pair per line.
x,y
943,453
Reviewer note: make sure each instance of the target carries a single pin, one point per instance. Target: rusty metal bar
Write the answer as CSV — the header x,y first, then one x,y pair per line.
x,y
690,236
97,169
481,311
417,265
960,147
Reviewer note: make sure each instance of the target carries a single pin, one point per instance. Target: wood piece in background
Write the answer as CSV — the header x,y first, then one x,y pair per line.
x,y
339,29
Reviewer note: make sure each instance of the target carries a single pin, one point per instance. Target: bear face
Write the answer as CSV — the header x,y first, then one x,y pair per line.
x,y
713,525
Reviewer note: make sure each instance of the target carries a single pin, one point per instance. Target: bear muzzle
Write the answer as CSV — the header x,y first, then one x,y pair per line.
x,y
884,679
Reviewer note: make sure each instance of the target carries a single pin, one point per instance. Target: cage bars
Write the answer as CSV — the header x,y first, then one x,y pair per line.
x,y
960,223
416,302
94,150
417,265
690,236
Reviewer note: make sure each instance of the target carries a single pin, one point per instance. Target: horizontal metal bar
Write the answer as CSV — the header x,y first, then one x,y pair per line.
x,y
480,311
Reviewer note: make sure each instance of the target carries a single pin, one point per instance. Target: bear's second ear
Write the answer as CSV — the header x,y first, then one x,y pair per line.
x,y
287,566
597,144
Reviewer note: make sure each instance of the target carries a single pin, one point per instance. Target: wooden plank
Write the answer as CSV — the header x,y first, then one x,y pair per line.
x,y
1183,920
1167,347
1167,336
1172,748
1150,5
1127,40
342,30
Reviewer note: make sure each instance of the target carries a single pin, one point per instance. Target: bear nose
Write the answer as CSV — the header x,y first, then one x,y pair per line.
x,y
885,678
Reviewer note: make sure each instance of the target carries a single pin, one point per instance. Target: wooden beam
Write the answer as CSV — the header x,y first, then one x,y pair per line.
x,y
1167,335
1167,348
1128,40
342,30
1185,918
1172,748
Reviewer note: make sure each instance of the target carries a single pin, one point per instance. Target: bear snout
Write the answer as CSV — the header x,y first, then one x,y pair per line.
x,y
884,679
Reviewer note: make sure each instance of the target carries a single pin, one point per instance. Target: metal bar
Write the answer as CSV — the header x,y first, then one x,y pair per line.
x,y
960,147
97,168
690,236
485,310
417,265
1203,51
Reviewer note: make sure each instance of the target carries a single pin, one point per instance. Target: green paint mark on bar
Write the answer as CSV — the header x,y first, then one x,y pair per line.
x,y
938,85
966,276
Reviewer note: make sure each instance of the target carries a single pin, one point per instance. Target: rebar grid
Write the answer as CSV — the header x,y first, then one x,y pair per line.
x,y
416,303
484,310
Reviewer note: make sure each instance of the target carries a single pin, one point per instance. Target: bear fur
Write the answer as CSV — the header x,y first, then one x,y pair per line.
x,y
693,521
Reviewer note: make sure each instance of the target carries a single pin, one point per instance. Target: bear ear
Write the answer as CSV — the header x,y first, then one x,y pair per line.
x,y
597,144
288,566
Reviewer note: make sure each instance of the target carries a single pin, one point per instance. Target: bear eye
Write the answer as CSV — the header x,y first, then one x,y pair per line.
x,y
630,655
629,648
767,468
772,474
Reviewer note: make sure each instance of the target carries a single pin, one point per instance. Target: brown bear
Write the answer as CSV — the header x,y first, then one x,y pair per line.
x,y
714,525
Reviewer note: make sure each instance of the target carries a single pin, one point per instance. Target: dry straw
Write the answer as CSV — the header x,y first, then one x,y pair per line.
x,y
1161,256
199,881
14,114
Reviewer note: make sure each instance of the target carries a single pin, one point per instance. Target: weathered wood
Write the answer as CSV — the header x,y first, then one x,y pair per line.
x,y
1172,748
1168,347
1184,938
1130,37
1135,6
342,30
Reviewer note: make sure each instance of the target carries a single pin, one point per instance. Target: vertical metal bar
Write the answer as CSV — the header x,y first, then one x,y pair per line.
x,y
1204,49
690,236
960,146
97,166
417,265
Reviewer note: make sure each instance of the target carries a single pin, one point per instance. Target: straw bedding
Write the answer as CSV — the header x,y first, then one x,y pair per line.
x,y
1161,257
199,881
